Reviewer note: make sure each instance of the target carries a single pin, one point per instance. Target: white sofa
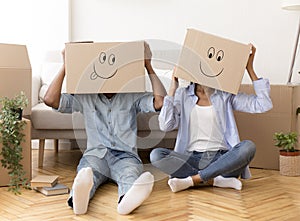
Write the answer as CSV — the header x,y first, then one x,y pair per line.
x,y
49,124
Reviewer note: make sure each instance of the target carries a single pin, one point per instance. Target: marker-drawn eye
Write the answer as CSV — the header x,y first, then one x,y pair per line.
x,y
211,52
102,57
220,55
111,59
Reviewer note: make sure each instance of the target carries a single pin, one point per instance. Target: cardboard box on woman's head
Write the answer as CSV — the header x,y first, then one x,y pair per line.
x,y
111,67
213,61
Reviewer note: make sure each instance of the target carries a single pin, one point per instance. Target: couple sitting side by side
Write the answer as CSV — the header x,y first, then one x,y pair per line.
x,y
207,151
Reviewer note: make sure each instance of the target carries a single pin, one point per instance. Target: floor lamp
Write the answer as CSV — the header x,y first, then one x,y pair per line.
x,y
292,5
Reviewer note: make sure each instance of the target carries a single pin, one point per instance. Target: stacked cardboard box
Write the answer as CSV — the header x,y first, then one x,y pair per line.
x,y
15,72
15,75
26,162
260,128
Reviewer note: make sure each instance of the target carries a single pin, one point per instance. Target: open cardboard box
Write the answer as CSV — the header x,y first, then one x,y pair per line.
x,y
26,162
260,128
213,61
112,67
15,73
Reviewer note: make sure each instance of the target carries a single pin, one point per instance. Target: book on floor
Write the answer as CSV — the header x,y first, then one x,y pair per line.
x,y
55,190
44,181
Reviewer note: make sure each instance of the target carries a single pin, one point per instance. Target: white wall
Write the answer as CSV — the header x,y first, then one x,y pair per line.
x,y
261,22
41,25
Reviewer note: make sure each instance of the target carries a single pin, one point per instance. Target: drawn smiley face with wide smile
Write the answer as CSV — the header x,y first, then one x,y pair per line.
x,y
212,65
104,66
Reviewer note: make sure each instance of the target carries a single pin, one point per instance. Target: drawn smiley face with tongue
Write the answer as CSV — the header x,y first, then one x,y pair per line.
x,y
211,65
104,67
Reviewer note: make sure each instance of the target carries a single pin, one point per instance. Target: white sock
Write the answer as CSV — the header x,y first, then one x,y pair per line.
x,y
229,182
137,194
177,184
82,186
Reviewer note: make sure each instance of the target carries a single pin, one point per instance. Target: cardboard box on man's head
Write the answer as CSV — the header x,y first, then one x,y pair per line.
x,y
15,73
213,61
112,67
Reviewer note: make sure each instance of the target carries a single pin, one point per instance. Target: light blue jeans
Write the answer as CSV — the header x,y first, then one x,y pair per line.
x,y
121,167
210,164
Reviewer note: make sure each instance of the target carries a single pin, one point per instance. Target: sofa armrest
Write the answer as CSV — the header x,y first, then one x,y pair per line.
x,y
36,85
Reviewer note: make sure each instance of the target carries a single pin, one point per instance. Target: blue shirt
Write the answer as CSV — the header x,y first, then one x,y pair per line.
x,y
109,123
176,111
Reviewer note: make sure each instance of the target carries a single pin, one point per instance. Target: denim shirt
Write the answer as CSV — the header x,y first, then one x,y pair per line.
x,y
176,111
109,123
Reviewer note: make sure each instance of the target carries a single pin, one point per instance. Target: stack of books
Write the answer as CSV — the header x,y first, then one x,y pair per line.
x,y
48,185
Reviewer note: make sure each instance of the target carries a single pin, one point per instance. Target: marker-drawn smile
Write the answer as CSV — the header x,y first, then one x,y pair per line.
x,y
207,75
95,75
107,63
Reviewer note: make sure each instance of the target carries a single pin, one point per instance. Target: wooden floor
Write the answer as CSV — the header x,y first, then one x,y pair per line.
x,y
267,196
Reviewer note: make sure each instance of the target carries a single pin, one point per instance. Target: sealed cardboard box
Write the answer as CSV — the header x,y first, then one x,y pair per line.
x,y
113,67
260,128
26,162
213,61
15,72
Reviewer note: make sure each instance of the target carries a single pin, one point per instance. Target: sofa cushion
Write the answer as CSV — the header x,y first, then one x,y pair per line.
x,y
48,72
149,134
44,117
147,121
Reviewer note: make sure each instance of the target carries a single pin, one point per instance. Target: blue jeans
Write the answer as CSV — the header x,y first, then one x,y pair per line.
x,y
210,164
121,167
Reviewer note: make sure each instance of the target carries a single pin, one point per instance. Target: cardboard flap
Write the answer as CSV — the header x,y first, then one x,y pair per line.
x,y
213,61
14,56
